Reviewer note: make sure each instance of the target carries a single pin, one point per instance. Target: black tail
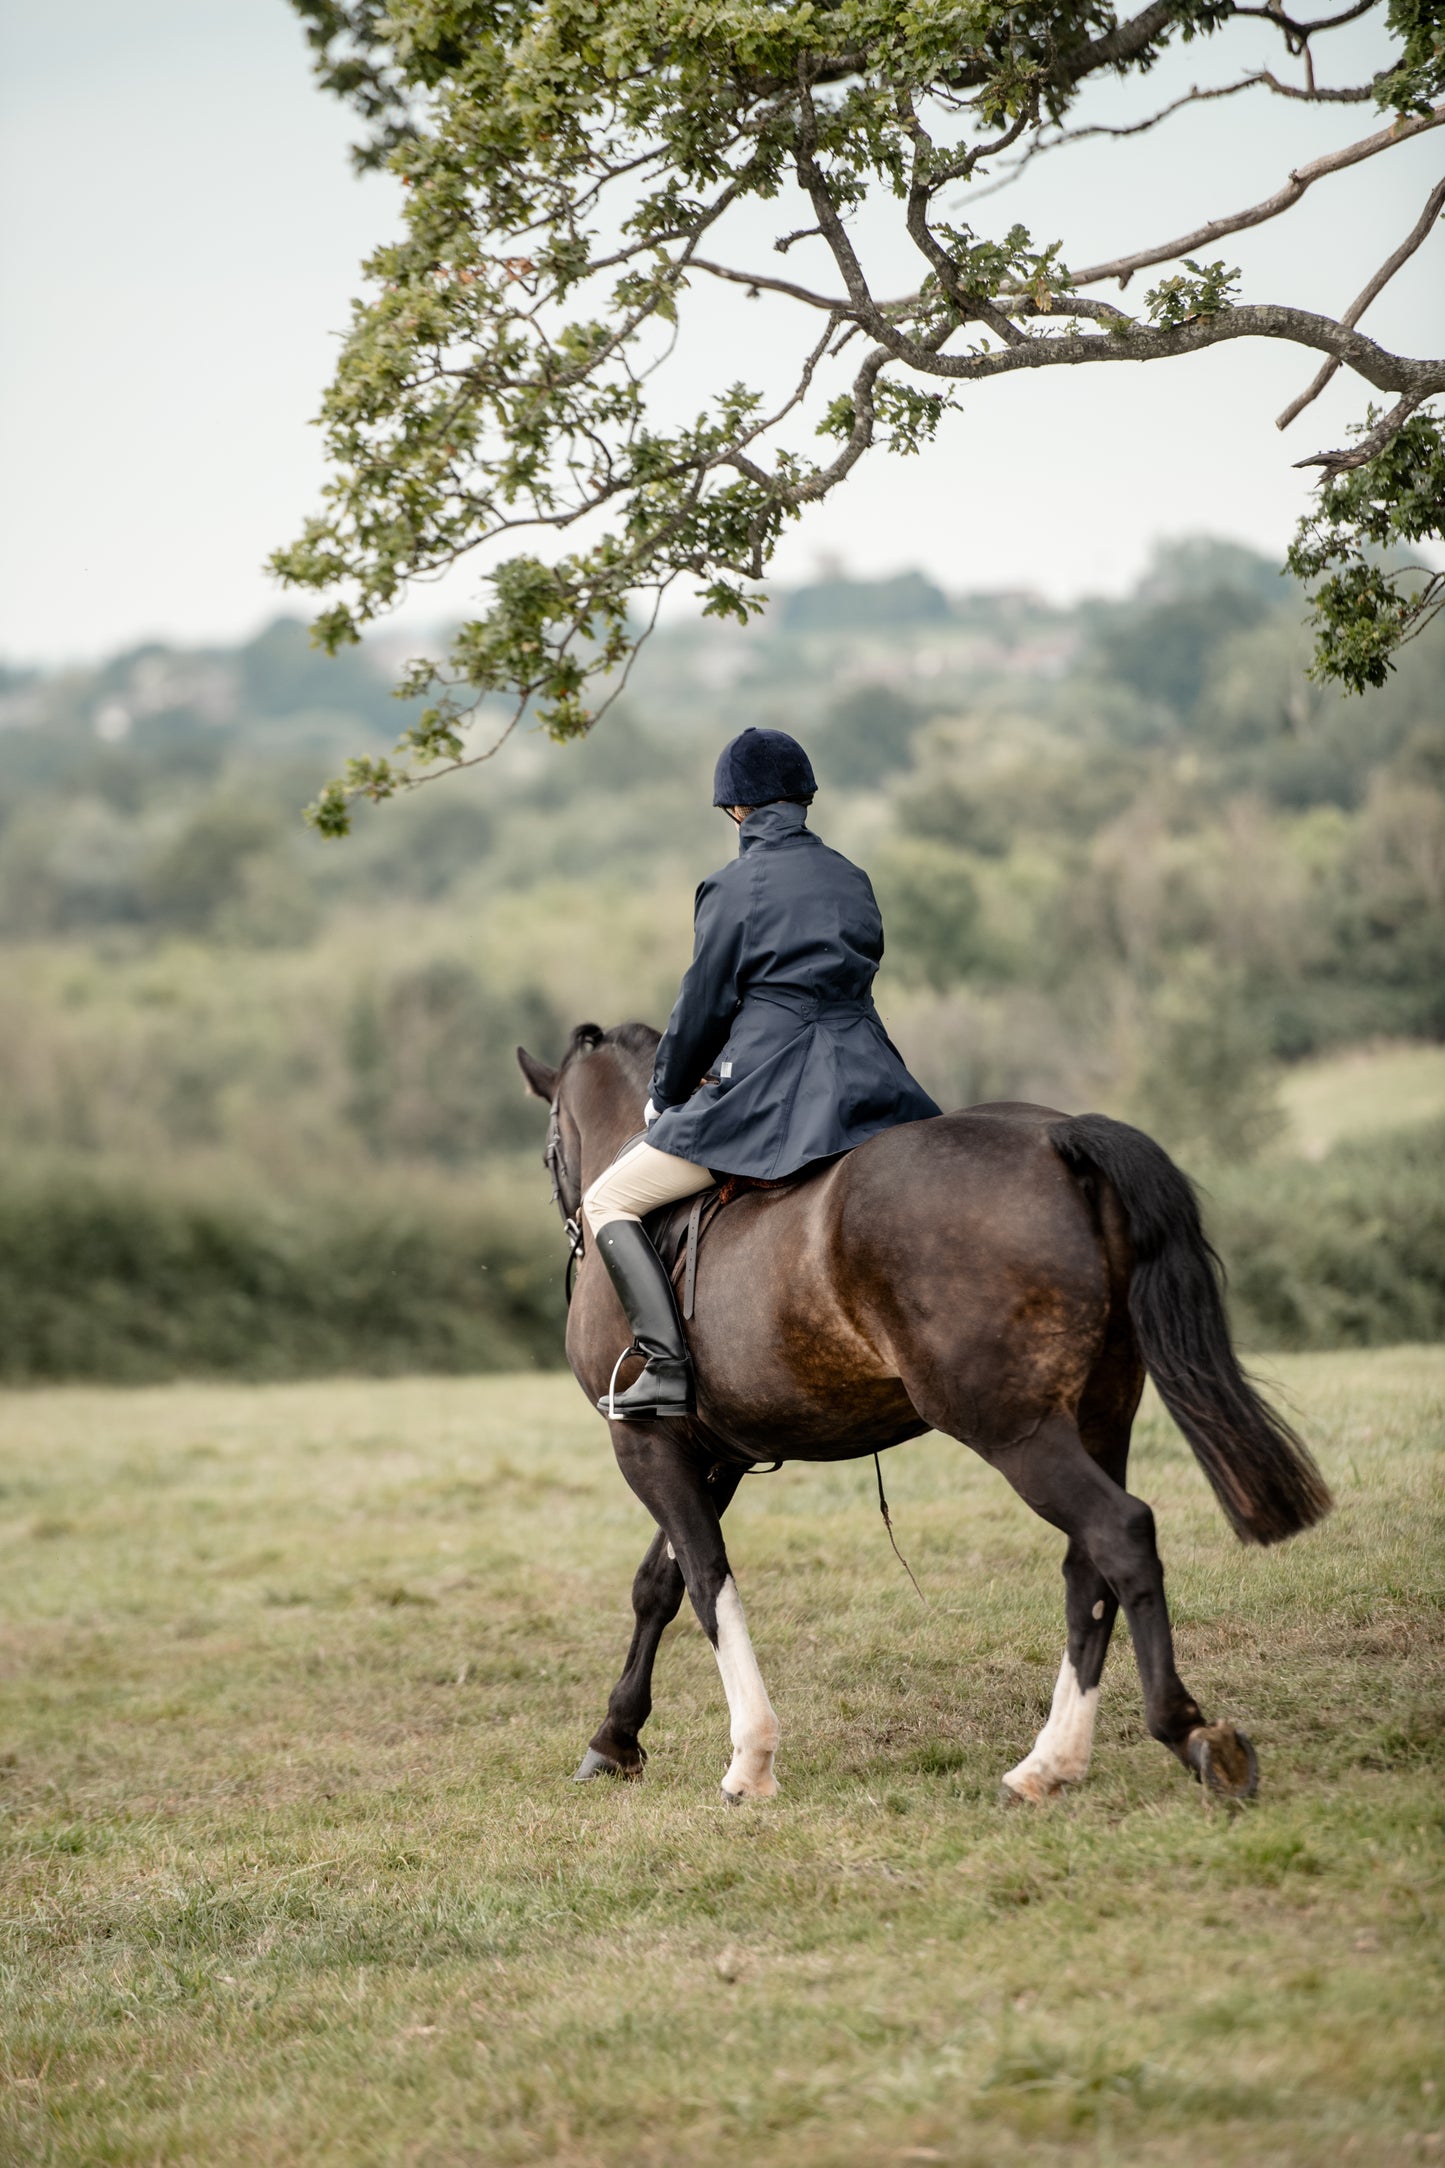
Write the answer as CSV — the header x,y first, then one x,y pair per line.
x,y
1261,1472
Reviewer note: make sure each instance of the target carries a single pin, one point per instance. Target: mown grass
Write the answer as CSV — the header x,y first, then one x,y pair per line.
x,y
295,1677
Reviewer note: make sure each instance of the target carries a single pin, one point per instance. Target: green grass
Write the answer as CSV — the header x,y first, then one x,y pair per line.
x,y
1365,1092
294,1678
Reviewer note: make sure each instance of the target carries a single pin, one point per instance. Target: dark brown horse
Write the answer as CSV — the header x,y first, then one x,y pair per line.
x,y
1006,1275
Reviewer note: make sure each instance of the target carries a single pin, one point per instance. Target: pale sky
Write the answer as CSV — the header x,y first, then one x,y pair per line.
x,y
181,235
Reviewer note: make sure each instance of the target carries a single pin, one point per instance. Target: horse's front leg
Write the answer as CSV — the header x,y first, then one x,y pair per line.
x,y
657,1591
673,1485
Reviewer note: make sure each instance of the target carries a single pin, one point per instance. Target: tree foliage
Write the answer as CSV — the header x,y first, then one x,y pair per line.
x,y
1367,604
572,168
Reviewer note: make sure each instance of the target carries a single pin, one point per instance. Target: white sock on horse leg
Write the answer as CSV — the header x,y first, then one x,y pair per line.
x,y
1060,1754
755,1727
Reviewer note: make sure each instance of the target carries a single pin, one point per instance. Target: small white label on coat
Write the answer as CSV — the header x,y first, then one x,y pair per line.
x,y
726,1069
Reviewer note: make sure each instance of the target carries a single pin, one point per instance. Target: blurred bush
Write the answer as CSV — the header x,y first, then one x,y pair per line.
x,y
135,1280
930,904
1205,1086
105,1276
432,1061
1348,1251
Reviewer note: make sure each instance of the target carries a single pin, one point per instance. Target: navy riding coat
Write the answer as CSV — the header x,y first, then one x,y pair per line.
x,y
774,1055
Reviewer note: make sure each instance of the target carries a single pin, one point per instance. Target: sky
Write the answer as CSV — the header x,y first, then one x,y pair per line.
x,y
181,236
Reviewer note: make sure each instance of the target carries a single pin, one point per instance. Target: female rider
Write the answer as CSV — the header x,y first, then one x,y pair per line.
x,y
774,1056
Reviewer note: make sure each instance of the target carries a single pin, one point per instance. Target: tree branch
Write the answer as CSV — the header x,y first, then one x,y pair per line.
x,y
1125,42
1115,49
1305,31
920,194
1358,455
1357,94
1123,268
862,306
1267,320
1423,226
759,281
1042,144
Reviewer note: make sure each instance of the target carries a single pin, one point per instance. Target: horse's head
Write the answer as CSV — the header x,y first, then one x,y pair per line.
x,y
595,1096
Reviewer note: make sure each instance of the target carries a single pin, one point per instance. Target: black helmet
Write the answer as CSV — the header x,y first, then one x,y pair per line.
x,y
759,766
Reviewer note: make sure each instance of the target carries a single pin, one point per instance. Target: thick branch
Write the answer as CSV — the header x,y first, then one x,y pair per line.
x,y
1125,42
1423,226
1122,268
1300,327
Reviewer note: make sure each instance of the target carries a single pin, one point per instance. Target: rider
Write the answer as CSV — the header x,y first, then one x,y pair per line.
x,y
774,1056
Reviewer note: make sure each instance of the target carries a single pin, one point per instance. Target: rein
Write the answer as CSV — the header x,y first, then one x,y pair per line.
x,y
571,1222
888,1524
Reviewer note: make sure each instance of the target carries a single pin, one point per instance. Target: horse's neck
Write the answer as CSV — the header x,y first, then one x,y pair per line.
x,y
609,1111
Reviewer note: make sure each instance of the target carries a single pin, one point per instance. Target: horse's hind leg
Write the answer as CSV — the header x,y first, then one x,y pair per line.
x,y
1052,1472
1060,1754
657,1592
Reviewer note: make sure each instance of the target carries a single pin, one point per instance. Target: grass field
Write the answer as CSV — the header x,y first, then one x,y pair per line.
x,y
294,1678
1364,1092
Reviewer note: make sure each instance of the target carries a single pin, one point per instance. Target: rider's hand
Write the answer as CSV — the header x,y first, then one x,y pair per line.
x,y
649,1115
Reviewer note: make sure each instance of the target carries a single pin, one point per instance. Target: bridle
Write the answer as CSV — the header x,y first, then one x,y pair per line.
x,y
555,1162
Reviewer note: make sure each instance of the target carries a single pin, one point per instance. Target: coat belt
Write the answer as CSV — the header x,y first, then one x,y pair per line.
x,y
808,1009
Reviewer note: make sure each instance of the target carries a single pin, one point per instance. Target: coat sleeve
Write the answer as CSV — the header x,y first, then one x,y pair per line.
x,y
703,1013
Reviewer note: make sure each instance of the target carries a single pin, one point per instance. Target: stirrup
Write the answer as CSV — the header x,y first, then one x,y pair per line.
x,y
608,1402
673,1409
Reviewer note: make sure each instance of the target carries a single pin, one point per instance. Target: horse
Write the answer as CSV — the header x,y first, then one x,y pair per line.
x,y
1005,1275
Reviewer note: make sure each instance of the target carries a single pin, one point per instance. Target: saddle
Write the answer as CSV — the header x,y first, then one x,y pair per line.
x,y
676,1230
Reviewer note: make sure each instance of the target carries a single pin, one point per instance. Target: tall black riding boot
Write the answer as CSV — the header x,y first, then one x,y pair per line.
x,y
645,1292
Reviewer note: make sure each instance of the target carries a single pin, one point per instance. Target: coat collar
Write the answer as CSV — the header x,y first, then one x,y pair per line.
x,y
778,823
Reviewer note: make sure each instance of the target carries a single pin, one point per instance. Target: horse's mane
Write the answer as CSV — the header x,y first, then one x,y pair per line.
x,y
636,1044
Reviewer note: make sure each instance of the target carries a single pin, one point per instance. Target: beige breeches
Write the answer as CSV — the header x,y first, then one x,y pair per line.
x,y
638,1182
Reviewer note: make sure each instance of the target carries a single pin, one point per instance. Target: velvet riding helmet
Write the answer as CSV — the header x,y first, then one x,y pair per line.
x,y
759,766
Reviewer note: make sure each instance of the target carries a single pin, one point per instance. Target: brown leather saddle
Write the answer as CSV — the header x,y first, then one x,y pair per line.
x,y
676,1230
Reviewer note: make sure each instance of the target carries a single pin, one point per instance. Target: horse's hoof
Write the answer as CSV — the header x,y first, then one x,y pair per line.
x,y
749,1798
594,1764
1223,1760
1029,1784
1028,1792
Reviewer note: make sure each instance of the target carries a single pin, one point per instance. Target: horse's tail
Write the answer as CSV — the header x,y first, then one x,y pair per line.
x,y
1260,1471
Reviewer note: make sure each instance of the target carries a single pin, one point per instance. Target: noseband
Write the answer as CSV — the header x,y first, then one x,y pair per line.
x,y
554,1160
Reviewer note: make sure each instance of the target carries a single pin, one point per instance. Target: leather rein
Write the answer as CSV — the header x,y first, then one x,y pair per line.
x,y
555,1163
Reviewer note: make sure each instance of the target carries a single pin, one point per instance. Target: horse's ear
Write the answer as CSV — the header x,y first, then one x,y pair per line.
x,y
541,1081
